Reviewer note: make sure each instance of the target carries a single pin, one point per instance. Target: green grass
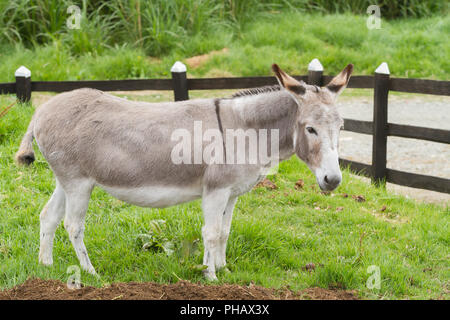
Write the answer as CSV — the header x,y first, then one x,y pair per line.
x,y
159,25
412,47
274,233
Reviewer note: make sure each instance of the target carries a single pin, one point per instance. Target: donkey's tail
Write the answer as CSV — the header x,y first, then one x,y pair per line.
x,y
25,155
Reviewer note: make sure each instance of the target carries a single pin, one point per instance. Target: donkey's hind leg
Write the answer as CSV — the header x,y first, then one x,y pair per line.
x,y
77,201
225,232
51,216
213,203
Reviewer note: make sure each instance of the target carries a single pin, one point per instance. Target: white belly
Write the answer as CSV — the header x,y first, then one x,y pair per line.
x,y
154,196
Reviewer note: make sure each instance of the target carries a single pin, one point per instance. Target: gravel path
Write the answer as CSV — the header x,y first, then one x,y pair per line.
x,y
409,155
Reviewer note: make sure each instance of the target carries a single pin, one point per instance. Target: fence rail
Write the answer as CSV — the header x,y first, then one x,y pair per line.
x,y
379,128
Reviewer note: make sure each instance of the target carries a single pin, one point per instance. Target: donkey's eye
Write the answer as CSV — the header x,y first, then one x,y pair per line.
x,y
311,130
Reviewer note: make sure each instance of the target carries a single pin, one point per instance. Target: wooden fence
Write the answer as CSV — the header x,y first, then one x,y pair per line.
x,y
379,128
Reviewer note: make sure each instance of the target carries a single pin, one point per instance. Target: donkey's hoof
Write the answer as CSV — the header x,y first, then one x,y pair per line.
x,y
46,261
220,265
90,269
225,270
210,276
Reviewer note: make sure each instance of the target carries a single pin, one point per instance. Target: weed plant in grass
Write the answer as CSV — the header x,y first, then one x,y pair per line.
x,y
283,237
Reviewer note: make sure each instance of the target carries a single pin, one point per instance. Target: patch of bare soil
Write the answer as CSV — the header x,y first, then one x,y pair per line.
x,y
266,183
37,289
197,61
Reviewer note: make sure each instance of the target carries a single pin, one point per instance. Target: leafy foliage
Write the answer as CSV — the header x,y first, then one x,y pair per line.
x,y
159,26
155,239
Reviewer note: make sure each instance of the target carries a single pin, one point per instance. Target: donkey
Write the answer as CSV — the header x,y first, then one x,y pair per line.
x,y
91,138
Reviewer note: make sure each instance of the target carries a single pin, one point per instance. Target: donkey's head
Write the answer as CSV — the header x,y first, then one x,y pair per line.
x,y
316,132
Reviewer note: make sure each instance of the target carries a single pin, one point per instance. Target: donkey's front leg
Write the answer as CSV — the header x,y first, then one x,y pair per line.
x,y
214,203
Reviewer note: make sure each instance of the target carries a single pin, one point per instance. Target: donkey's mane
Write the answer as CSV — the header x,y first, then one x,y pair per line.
x,y
255,91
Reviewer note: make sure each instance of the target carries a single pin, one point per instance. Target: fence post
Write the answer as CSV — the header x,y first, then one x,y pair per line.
x,y
380,120
179,80
23,84
315,72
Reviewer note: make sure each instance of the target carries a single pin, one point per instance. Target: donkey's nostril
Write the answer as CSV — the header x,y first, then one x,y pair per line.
x,y
332,181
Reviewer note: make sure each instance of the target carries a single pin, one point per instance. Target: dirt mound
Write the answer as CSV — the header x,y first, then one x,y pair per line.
x,y
37,289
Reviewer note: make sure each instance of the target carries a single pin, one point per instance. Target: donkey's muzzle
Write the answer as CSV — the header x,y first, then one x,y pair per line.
x,y
330,182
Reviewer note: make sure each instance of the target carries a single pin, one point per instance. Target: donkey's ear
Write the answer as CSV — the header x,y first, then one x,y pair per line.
x,y
339,83
287,81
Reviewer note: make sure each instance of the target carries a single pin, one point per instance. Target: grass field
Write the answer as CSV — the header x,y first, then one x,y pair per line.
x,y
158,25
415,48
275,233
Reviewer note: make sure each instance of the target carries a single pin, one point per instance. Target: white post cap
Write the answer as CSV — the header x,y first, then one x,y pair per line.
x,y
315,65
178,67
22,72
383,69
